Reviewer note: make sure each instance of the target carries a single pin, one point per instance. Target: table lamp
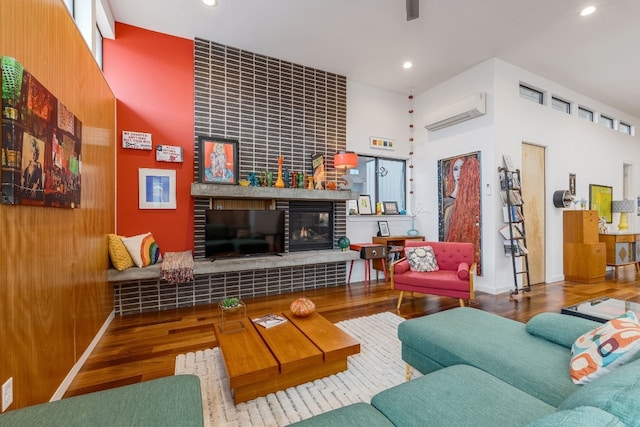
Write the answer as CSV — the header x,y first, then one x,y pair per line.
x,y
622,207
345,160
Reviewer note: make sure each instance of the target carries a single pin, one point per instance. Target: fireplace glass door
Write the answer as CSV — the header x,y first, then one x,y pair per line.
x,y
310,226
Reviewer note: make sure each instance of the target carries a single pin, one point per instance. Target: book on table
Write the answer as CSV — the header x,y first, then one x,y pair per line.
x,y
269,320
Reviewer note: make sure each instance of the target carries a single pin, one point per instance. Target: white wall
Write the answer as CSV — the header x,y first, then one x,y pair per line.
x,y
375,112
594,153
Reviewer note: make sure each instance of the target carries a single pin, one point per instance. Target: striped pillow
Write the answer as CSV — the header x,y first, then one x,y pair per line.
x,y
143,249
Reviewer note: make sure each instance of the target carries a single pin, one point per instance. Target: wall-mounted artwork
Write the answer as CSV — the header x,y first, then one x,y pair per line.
x,y
218,161
41,143
459,213
600,200
156,188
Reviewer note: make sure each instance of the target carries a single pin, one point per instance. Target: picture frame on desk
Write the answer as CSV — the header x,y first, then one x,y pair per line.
x,y
383,229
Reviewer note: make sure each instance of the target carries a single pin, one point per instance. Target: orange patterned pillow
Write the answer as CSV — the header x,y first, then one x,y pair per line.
x,y
599,351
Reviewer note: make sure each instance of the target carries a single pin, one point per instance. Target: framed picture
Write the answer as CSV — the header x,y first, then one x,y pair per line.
x,y
218,162
382,143
383,229
600,200
364,205
572,184
390,208
156,189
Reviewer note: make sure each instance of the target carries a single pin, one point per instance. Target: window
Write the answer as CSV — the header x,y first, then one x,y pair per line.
x,y
583,113
560,105
531,94
606,121
99,41
69,4
624,128
384,180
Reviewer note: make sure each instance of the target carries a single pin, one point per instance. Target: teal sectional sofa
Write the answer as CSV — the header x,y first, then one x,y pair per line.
x,y
486,370
171,401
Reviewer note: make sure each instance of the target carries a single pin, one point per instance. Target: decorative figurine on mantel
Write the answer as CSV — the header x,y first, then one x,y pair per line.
x,y
279,181
287,177
294,179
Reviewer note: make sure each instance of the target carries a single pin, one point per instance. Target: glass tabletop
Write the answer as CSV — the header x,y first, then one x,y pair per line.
x,y
602,309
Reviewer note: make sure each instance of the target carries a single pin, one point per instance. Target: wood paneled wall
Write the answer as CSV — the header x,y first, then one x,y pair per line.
x,y
54,294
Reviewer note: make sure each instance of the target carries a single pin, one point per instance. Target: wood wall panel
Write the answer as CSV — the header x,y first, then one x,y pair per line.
x,y
54,294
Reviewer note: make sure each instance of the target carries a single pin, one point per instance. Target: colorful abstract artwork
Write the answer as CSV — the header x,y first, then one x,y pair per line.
x,y
41,143
459,197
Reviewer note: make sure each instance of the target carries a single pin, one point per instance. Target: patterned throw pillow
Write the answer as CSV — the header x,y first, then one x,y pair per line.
x,y
143,249
599,351
422,258
120,257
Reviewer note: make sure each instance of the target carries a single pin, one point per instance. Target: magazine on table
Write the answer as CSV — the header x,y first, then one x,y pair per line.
x,y
269,320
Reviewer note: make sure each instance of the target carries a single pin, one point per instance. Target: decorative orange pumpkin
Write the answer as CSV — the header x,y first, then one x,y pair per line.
x,y
302,307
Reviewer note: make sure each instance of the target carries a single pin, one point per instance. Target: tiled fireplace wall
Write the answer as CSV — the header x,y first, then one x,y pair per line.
x,y
272,108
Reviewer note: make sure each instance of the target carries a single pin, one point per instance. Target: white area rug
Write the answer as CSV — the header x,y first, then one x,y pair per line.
x,y
377,367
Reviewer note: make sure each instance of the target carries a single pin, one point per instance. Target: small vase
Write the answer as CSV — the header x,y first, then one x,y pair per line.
x,y
279,181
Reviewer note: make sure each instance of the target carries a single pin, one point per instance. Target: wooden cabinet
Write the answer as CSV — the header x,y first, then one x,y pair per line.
x,y
584,254
622,249
394,245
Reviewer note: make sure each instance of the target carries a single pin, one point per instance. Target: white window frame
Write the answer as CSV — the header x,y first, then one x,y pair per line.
x,y
590,115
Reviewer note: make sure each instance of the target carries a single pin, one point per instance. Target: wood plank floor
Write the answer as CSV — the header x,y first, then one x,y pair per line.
x,y
142,347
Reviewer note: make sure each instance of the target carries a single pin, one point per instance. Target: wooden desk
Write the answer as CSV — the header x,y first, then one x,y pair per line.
x,y
394,244
622,249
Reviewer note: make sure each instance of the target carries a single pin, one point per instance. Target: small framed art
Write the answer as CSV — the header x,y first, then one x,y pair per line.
x,y
390,208
156,189
218,160
383,229
364,205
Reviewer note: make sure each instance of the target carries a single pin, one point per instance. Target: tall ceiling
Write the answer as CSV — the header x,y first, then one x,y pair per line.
x,y
368,40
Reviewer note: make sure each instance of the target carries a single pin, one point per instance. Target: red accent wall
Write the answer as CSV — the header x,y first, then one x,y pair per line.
x,y
151,75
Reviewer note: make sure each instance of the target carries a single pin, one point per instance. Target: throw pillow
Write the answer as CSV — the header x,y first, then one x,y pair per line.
x,y
421,258
463,271
599,351
143,249
120,257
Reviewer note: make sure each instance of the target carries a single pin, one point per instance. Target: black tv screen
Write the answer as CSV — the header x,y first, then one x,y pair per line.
x,y
238,233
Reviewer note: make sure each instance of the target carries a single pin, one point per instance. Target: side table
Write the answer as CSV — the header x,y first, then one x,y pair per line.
x,y
368,251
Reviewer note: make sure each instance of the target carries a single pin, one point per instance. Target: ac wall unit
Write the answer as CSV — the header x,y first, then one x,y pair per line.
x,y
463,110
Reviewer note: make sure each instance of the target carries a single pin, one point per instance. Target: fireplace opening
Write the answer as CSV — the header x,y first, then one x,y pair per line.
x,y
310,226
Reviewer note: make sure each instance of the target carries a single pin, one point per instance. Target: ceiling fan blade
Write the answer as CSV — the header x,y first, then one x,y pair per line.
x,y
413,9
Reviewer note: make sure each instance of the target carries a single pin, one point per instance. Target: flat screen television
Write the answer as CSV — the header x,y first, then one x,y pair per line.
x,y
240,233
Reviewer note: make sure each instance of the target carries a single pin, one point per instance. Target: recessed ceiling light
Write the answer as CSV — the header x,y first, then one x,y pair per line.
x,y
407,65
588,11
210,2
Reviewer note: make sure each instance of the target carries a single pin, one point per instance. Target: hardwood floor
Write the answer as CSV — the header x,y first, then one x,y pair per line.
x,y
142,347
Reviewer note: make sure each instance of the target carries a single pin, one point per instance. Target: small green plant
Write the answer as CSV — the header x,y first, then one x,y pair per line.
x,y
230,302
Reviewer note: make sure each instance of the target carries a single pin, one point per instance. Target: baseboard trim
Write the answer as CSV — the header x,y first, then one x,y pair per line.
x,y
62,389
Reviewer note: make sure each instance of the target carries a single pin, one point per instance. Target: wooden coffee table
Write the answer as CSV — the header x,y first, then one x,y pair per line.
x,y
260,361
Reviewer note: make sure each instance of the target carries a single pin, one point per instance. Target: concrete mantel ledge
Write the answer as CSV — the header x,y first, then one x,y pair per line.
x,y
207,266
222,191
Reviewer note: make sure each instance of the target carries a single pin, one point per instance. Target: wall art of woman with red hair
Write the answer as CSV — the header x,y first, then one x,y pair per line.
x,y
460,208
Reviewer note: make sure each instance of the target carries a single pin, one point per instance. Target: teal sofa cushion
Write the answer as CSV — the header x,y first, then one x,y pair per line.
x,y
584,416
499,346
355,415
617,392
559,328
458,396
170,401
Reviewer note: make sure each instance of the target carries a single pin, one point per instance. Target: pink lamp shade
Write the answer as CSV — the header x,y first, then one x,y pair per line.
x,y
345,160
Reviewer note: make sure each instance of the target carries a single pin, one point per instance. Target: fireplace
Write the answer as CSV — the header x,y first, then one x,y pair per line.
x,y
310,226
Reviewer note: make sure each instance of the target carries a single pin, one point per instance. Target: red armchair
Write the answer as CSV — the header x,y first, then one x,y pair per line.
x,y
454,277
